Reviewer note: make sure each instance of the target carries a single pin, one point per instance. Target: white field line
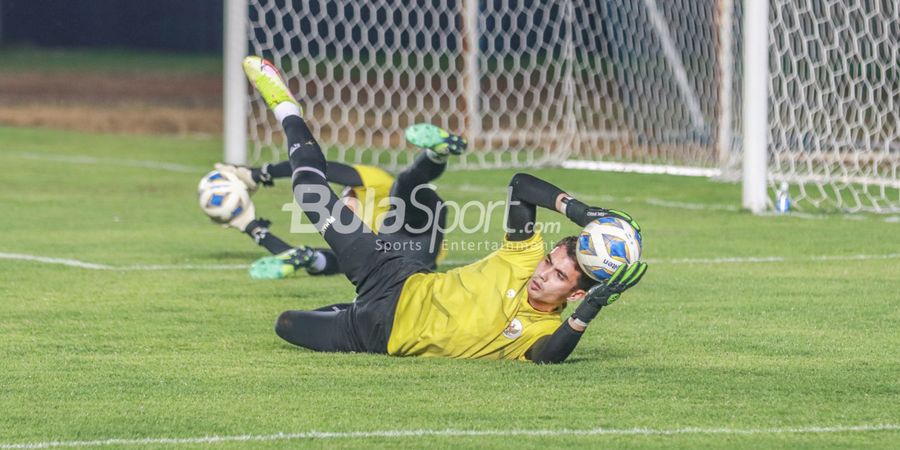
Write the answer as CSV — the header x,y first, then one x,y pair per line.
x,y
452,262
608,200
690,206
175,167
768,259
606,166
149,267
133,267
82,159
742,259
400,434
602,199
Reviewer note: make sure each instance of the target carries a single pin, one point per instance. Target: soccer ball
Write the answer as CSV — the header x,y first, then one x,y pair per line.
x,y
222,201
605,244
215,177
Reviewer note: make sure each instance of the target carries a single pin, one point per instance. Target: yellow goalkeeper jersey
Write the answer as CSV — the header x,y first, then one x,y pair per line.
x,y
476,311
373,194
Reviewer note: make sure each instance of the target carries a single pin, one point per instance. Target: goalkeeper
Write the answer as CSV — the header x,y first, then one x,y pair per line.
x,y
366,189
505,306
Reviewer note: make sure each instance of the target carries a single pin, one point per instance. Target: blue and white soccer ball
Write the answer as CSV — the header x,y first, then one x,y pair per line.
x,y
215,177
605,244
222,196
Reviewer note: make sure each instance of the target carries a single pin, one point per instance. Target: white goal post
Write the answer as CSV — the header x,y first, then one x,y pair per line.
x,y
765,91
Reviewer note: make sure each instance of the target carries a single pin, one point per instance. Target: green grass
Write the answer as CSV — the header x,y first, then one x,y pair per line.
x,y
108,61
93,355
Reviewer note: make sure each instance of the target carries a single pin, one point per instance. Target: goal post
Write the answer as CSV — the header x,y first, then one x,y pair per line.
x,y
756,104
234,98
763,91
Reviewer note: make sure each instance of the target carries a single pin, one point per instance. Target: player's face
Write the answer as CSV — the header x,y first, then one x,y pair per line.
x,y
554,281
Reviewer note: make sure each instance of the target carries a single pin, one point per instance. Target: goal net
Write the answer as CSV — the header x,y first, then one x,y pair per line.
x,y
834,111
643,85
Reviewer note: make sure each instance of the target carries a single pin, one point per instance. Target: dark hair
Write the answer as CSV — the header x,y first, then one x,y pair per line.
x,y
571,243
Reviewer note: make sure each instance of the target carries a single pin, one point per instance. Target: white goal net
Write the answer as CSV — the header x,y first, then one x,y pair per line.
x,y
626,83
834,110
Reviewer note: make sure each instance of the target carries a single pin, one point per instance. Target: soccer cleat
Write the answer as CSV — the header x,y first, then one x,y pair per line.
x,y
283,264
436,139
266,78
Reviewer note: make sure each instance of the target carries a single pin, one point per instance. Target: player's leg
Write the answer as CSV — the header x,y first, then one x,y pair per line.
x,y
355,246
258,229
325,263
335,307
322,331
316,261
437,145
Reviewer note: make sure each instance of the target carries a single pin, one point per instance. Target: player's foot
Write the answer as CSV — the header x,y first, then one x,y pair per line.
x,y
283,264
267,79
436,139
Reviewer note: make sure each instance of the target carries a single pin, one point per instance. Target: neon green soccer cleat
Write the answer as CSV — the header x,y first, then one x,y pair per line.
x,y
436,139
283,264
267,79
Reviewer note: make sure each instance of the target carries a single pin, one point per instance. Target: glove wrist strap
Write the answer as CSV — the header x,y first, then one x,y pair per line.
x,y
579,322
262,175
576,211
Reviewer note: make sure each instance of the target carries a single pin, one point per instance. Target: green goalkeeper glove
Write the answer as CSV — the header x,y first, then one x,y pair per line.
x,y
603,212
606,293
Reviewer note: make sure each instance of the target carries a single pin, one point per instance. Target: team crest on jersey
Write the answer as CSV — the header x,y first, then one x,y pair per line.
x,y
514,329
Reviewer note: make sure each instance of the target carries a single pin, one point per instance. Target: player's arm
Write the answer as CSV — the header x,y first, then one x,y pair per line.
x,y
266,174
254,177
527,191
557,347
343,174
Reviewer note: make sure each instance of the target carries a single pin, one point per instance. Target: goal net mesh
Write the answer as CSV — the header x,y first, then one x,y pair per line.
x,y
834,111
533,83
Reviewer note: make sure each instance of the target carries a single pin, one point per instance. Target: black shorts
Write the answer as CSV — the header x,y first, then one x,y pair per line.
x,y
367,323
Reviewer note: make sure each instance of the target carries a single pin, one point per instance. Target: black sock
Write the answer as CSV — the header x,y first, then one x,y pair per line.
x,y
259,231
331,263
422,170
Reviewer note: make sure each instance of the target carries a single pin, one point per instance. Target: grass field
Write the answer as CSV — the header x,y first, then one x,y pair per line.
x,y
746,332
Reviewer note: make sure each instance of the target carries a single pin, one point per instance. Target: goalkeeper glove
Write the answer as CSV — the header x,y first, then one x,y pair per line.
x,y
583,214
251,177
604,294
243,219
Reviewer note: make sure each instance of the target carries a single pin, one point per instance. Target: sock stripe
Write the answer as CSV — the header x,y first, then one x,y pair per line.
x,y
308,169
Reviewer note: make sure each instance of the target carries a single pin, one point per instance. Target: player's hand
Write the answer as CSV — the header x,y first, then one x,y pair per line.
x,y
604,294
583,214
595,213
242,173
243,219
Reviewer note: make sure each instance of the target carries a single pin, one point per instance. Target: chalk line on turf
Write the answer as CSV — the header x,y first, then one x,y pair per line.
x,y
745,259
84,159
609,200
399,434
133,267
451,262
182,168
